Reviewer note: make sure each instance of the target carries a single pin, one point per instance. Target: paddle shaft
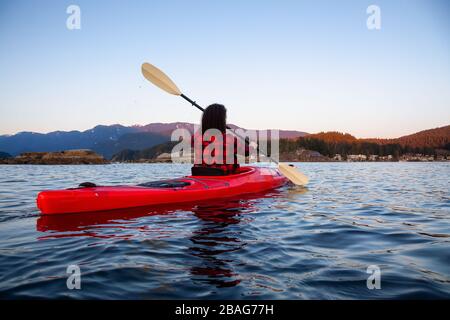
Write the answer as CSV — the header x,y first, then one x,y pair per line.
x,y
192,102
237,135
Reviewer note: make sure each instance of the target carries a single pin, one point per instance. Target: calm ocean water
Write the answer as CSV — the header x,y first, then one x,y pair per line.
x,y
292,243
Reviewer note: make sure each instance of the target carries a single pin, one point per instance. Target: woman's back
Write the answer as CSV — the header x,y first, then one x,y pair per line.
x,y
217,149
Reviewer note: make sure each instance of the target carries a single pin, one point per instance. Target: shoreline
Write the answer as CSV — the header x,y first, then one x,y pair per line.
x,y
89,157
170,162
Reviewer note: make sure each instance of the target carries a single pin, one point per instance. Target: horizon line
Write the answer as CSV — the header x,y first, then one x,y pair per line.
x,y
185,122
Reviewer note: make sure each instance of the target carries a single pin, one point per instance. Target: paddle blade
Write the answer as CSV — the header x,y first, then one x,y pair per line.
x,y
293,174
159,79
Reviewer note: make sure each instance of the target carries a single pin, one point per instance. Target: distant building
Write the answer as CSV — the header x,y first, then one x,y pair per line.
x,y
416,157
386,158
356,157
337,157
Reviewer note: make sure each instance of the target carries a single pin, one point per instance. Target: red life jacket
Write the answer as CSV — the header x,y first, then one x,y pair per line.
x,y
219,161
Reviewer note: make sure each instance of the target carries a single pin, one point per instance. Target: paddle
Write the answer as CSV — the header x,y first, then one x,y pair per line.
x,y
162,81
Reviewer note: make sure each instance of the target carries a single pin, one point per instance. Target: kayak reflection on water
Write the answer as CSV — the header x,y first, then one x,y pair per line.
x,y
215,237
90,224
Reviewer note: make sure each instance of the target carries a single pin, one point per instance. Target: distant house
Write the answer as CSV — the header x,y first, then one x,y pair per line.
x,y
373,157
386,158
337,157
313,154
176,158
417,157
356,157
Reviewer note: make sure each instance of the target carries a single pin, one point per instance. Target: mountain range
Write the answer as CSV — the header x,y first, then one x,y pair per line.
x,y
105,140
114,139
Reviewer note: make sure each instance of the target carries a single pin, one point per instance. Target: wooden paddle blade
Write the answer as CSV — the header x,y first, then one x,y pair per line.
x,y
293,174
159,79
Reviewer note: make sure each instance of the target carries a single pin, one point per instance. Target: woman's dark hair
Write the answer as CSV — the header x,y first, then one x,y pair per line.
x,y
215,117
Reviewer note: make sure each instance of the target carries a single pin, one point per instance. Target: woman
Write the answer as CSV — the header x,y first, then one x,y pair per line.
x,y
214,160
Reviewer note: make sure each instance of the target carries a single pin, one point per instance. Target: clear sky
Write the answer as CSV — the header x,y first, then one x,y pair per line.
x,y
303,65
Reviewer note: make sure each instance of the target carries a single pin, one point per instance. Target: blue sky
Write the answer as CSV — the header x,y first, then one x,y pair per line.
x,y
303,65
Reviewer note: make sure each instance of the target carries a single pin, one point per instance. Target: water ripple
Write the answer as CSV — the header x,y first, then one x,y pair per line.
x,y
292,243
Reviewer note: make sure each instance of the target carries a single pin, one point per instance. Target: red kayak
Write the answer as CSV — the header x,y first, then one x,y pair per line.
x,y
90,198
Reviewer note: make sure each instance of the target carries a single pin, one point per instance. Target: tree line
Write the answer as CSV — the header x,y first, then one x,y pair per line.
x,y
344,148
